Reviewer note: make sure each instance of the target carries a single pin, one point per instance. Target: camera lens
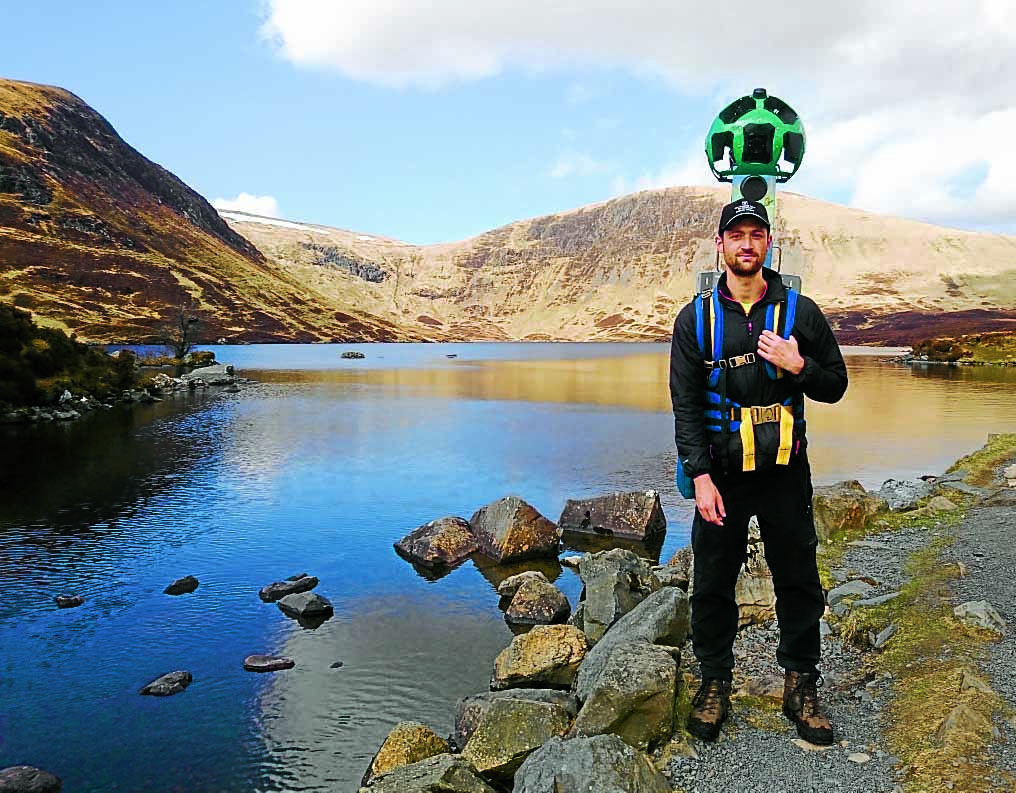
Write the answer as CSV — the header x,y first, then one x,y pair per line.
x,y
754,188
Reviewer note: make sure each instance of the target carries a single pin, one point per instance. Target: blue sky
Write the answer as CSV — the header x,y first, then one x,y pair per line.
x,y
436,121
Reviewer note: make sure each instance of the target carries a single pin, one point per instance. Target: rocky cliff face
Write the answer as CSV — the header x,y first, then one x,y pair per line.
x,y
96,239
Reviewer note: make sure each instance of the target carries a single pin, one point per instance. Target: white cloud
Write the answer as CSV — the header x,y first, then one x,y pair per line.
x,y
255,204
579,164
892,92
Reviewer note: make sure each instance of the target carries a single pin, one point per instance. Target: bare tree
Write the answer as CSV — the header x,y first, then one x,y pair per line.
x,y
180,332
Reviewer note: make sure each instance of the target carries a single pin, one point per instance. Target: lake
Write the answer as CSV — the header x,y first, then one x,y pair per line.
x,y
319,467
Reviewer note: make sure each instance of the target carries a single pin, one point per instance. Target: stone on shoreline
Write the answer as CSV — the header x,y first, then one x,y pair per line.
x,y
538,603
408,742
440,543
981,614
616,581
509,530
291,586
548,656
469,710
168,684
600,763
182,586
446,773
844,506
28,779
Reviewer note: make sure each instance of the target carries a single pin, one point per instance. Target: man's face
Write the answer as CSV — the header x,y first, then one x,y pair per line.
x,y
744,245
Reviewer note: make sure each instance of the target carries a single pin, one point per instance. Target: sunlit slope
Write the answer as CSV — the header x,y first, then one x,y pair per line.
x,y
618,270
96,239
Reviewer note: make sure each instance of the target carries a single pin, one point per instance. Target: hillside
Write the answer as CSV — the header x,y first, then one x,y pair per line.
x,y
97,240
618,270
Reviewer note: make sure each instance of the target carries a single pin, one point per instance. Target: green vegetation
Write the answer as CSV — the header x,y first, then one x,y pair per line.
x,y
38,364
998,347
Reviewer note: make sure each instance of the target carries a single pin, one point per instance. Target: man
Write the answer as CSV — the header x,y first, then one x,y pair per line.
x,y
739,416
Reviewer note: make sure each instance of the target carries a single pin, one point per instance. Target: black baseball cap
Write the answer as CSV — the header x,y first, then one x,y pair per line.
x,y
737,210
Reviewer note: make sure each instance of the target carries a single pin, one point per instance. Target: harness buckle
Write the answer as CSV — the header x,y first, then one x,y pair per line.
x,y
766,414
741,360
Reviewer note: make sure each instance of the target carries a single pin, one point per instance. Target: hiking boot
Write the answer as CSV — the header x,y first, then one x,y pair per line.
x,y
709,708
800,705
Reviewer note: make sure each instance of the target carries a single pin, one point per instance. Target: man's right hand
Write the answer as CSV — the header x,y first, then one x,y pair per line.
x,y
708,500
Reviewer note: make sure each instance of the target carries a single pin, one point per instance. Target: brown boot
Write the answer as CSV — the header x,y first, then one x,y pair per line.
x,y
709,708
800,705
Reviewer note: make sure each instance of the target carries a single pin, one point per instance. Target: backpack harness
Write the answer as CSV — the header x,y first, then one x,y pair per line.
x,y
726,415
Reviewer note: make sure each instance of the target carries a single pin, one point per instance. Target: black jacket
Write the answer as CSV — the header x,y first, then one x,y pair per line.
x,y
823,379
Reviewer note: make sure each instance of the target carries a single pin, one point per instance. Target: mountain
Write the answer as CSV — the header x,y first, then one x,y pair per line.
x,y
97,240
620,269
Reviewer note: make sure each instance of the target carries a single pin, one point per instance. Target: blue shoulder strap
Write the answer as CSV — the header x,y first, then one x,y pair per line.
x,y
788,324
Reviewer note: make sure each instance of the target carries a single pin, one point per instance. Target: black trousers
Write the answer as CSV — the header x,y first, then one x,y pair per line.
x,y
781,498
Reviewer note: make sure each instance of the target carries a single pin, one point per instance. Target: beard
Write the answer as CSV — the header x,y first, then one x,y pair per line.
x,y
743,267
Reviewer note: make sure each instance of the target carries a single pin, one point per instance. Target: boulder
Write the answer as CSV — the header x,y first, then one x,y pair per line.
x,y
168,684
981,614
904,494
548,656
28,779
960,725
672,576
408,742
307,607
441,774
267,663
441,543
291,586
216,374
538,603
510,585
68,601
632,696
615,582
471,709
663,618
636,515
509,731
848,591
182,586
844,506
510,529
603,763
754,591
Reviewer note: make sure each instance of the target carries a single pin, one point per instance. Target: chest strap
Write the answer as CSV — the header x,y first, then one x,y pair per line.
x,y
767,414
732,363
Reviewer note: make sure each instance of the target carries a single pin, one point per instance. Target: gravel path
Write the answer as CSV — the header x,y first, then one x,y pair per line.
x,y
757,751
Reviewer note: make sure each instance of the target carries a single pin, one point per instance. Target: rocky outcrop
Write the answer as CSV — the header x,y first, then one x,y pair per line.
x,y
548,656
439,543
409,742
511,530
182,586
28,779
615,582
537,603
631,697
471,709
509,731
844,507
603,763
279,589
168,684
443,773
636,516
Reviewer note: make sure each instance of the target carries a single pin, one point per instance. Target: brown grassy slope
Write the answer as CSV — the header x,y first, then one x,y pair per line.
x,y
618,270
96,239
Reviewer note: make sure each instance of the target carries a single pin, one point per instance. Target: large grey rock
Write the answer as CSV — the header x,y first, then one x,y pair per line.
x,y
441,774
850,590
981,614
408,742
168,684
509,731
309,608
291,586
216,374
510,529
28,779
471,709
616,581
511,584
663,618
844,507
601,764
440,543
632,697
538,603
637,515
904,494
548,656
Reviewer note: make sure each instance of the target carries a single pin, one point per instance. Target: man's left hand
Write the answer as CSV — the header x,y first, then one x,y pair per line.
x,y
780,352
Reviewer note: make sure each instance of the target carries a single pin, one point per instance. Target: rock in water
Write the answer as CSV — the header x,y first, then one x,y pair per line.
x,y
27,779
538,603
306,606
510,530
408,742
445,773
182,586
440,543
168,684
291,586
68,601
636,516
267,663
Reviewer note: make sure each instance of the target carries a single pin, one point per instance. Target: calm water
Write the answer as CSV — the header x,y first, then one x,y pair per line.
x,y
319,468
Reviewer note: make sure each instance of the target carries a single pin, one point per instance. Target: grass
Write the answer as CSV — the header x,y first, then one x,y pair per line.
x,y
931,649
